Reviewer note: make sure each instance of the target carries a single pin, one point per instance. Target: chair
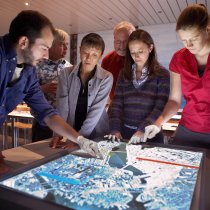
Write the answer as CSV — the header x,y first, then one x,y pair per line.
x,y
18,126
3,139
21,132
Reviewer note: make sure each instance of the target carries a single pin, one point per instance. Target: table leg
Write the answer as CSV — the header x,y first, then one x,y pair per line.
x,y
14,132
4,134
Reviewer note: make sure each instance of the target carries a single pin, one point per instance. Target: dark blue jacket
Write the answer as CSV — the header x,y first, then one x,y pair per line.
x,y
26,88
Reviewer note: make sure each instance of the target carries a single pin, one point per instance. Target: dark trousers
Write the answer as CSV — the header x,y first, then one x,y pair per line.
x,y
186,137
40,132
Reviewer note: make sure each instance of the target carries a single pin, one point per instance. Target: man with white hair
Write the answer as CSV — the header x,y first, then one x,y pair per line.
x,y
114,61
48,71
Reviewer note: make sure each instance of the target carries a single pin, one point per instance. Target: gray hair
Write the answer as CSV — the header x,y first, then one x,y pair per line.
x,y
124,25
60,35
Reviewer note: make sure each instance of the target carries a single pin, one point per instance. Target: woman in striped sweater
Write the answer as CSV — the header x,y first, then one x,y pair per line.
x,y
141,92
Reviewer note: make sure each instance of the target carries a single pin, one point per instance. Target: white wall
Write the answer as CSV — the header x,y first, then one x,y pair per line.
x,y
164,36
166,41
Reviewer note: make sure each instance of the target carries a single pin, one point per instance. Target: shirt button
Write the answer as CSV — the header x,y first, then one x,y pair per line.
x,y
7,60
14,59
10,71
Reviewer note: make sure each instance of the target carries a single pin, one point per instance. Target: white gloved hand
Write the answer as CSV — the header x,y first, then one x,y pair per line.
x,y
135,140
111,138
89,146
150,132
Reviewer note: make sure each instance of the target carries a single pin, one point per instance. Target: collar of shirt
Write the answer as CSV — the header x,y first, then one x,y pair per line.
x,y
90,76
142,80
50,62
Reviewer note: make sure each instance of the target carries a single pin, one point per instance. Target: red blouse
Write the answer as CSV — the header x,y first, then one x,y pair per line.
x,y
196,91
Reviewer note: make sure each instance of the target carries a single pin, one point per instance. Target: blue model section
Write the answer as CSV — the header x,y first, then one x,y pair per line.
x,y
89,183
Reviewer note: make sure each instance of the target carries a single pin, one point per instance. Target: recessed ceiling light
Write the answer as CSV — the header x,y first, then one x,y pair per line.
x,y
26,3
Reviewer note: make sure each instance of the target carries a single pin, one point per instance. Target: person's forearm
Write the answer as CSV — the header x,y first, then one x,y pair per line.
x,y
59,126
170,109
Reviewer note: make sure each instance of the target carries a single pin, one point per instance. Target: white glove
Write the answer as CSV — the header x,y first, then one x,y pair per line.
x,y
89,146
111,138
150,132
135,140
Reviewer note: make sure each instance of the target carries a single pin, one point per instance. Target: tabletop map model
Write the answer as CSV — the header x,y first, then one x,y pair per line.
x,y
129,177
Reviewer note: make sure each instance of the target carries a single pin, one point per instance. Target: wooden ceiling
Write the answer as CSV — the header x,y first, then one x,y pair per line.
x,y
81,16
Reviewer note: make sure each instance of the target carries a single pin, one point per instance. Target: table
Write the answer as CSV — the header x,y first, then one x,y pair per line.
x,y
21,156
15,116
40,150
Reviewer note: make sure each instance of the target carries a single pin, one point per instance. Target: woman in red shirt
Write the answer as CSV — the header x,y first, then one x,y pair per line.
x,y
190,76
